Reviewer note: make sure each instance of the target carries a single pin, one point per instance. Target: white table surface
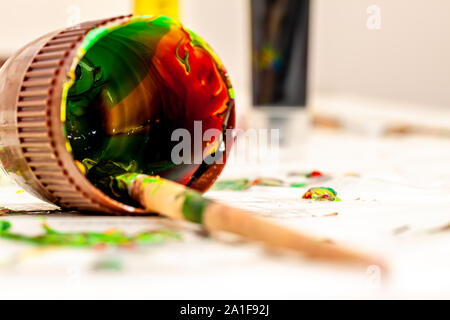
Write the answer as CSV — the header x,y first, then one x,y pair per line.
x,y
402,183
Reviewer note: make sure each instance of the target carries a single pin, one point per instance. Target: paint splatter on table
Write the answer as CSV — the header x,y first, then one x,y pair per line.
x,y
291,180
321,194
411,189
111,237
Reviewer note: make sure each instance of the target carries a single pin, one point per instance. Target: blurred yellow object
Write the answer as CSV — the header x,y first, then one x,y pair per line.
x,y
168,8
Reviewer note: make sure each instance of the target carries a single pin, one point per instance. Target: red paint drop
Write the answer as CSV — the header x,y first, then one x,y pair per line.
x,y
315,174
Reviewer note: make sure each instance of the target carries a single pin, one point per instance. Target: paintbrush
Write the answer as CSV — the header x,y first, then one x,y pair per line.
x,y
179,202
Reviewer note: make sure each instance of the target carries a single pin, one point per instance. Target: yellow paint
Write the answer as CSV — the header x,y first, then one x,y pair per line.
x,y
80,167
143,94
111,231
169,8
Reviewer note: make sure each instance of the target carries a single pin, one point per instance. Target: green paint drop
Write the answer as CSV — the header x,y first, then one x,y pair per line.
x,y
4,226
298,185
109,264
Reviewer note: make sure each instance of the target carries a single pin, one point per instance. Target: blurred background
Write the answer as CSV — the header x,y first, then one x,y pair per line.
x,y
374,66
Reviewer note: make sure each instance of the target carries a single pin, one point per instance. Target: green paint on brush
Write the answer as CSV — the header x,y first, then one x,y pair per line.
x,y
111,177
112,237
194,206
156,181
115,179
121,183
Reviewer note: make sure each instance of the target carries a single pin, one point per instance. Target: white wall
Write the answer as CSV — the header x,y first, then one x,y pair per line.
x,y
408,59
21,21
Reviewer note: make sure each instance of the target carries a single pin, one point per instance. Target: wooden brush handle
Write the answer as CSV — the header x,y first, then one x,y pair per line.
x,y
179,202
222,217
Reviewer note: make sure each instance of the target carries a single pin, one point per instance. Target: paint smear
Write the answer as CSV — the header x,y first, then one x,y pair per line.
x,y
108,264
321,194
4,211
245,184
112,237
269,182
233,185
